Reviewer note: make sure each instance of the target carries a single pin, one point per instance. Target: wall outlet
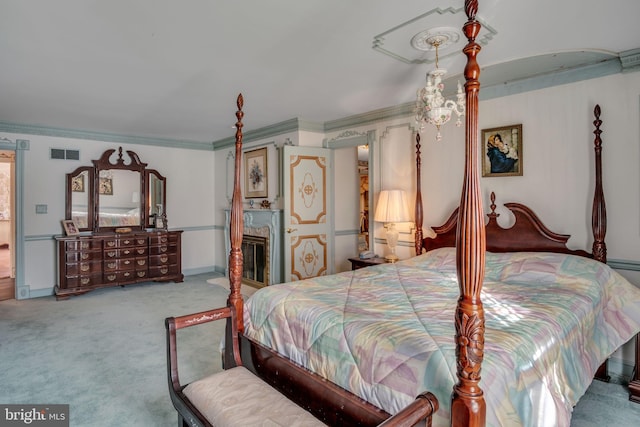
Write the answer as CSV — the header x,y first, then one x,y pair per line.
x,y
41,209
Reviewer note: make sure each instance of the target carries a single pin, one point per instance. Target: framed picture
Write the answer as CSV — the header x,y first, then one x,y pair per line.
x,y
105,186
77,183
501,151
255,173
70,227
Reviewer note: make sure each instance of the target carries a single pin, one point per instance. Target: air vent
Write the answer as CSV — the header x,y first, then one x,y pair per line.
x,y
72,154
60,154
57,153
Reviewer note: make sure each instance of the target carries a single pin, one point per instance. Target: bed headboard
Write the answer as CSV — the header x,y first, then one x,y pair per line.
x,y
528,233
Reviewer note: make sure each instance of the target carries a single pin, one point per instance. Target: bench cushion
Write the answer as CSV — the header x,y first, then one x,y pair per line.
x,y
236,398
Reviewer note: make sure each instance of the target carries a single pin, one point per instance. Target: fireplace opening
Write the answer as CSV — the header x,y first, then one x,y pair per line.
x,y
255,268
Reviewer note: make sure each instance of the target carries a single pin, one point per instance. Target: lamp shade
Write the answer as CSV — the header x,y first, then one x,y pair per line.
x,y
392,207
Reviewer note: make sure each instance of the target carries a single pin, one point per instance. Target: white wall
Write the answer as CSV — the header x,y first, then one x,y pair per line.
x,y
190,200
558,161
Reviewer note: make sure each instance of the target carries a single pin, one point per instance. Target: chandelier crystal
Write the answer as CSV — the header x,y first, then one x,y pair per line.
x,y
431,106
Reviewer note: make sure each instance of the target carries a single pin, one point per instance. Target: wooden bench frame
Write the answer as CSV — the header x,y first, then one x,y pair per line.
x,y
420,409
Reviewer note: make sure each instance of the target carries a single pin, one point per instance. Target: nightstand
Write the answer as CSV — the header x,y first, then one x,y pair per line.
x,y
357,262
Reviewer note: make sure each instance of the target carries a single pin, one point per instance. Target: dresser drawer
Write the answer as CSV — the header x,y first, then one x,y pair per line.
x,y
161,250
83,268
163,270
124,242
84,256
82,245
120,276
163,259
119,253
162,239
83,281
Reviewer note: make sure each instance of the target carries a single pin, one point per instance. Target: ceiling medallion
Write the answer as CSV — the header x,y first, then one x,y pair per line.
x,y
446,36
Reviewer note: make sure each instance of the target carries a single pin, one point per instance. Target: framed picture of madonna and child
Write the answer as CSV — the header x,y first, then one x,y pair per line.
x,y
501,151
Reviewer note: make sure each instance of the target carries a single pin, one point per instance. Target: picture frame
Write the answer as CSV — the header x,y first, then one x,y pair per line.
x,y
255,173
501,150
77,183
105,186
70,227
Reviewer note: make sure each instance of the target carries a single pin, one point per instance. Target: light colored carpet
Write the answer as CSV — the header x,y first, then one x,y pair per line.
x,y
223,282
104,354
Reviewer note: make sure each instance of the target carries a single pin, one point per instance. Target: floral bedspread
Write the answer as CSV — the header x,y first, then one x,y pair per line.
x,y
386,332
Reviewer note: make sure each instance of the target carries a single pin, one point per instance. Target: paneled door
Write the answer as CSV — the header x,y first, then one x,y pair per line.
x,y
306,244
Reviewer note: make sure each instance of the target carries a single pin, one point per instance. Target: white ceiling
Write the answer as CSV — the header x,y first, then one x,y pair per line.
x,y
172,69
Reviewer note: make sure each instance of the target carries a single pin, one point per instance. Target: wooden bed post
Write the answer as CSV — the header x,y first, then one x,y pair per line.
x,y
599,212
236,227
418,208
468,407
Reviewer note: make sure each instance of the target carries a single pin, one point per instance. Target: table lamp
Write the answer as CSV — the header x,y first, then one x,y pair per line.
x,y
392,207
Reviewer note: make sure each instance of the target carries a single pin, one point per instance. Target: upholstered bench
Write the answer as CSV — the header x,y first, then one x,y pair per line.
x,y
236,397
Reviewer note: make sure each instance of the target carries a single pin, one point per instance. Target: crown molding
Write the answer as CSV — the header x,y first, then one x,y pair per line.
x,y
102,136
287,126
630,60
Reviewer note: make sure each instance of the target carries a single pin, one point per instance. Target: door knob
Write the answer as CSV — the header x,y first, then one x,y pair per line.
x,y
289,230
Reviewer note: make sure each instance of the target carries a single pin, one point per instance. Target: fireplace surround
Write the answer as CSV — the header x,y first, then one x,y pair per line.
x,y
262,227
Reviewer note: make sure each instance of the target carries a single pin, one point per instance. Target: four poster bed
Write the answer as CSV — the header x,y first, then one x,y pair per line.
x,y
354,347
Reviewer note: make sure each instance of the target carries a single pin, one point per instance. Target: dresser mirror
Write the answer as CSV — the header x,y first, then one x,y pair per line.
x,y
156,190
79,205
117,192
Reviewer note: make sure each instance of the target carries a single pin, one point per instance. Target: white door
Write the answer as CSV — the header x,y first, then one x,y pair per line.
x,y
306,244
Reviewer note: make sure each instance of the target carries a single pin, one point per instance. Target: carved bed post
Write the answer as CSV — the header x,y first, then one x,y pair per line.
x,y
599,212
236,226
418,208
468,407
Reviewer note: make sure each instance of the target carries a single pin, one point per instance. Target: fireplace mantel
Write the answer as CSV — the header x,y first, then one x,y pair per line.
x,y
255,223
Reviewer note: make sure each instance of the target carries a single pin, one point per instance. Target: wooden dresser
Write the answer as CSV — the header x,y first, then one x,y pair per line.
x,y
88,262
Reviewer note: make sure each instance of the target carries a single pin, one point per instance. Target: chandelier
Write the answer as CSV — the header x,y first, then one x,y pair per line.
x,y
431,107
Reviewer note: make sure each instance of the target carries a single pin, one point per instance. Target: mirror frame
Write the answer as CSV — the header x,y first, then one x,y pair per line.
x,y
148,205
90,196
104,163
